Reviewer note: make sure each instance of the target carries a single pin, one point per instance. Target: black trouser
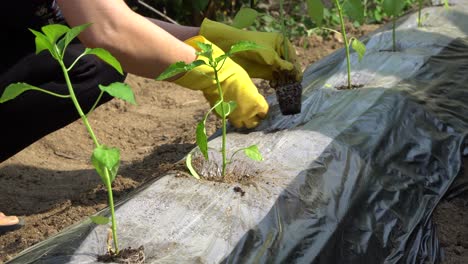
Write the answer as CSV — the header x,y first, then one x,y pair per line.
x,y
33,114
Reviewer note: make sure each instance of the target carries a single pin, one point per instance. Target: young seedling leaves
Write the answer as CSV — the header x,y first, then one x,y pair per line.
x,y
359,47
188,162
43,43
253,153
120,90
316,9
393,7
446,4
15,89
244,18
202,139
54,32
243,46
177,68
71,34
206,50
355,10
100,220
105,56
228,108
103,158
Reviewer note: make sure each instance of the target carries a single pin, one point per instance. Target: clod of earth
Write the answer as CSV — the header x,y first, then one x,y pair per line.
x,y
353,86
127,255
238,189
288,92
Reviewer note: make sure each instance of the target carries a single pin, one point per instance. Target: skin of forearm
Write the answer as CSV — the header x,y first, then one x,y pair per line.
x,y
178,31
142,46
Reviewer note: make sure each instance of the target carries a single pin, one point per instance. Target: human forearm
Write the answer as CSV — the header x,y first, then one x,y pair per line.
x,y
142,47
180,32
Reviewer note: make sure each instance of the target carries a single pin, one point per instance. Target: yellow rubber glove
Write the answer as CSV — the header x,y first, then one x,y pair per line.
x,y
259,63
235,83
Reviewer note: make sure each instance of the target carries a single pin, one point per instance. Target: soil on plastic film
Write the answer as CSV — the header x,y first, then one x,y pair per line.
x,y
51,185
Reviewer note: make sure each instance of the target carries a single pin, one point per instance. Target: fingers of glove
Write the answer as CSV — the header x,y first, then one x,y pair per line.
x,y
249,114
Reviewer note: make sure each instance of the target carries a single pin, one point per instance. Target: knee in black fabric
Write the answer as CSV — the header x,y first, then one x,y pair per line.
x,y
33,114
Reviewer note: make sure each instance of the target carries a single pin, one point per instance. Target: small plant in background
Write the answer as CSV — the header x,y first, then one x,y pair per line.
x,y
222,108
393,8
355,10
420,7
106,160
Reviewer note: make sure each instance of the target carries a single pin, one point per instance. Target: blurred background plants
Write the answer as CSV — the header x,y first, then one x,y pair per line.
x,y
297,20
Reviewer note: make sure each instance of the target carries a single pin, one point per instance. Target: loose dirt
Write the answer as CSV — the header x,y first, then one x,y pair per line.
x,y
52,186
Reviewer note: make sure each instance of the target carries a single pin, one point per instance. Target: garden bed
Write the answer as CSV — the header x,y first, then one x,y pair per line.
x,y
57,166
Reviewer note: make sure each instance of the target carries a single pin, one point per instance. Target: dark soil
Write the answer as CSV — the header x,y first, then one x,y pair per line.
x,y
51,184
126,256
353,86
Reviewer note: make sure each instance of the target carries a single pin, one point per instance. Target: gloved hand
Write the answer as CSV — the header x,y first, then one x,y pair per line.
x,y
235,83
259,63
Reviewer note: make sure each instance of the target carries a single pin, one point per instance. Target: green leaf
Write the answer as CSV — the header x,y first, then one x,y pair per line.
x,y
206,50
55,31
446,4
228,108
253,153
107,57
71,34
120,90
355,10
359,47
200,5
100,220
202,139
244,18
393,7
15,89
243,46
188,163
315,9
43,43
103,158
222,57
177,68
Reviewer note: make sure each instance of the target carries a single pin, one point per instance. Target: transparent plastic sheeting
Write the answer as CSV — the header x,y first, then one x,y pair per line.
x,y
352,179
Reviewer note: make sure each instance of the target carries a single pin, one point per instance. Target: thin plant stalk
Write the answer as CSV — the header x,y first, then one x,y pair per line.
x,y
345,39
96,142
223,118
419,13
111,205
394,33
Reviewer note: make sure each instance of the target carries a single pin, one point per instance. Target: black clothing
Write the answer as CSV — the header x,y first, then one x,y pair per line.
x,y
33,114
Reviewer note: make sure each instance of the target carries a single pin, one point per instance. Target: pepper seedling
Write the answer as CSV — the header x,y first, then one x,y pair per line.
x,y
420,6
222,108
106,160
393,8
354,10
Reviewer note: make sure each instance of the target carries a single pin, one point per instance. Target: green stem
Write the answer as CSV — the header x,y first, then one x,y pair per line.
x,y
332,30
419,13
96,143
77,105
52,93
76,60
95,103
111,205
223,118
283,31
394,33
345,39
235,152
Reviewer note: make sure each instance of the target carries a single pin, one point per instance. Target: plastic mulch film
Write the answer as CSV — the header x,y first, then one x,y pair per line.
x,y
353,179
